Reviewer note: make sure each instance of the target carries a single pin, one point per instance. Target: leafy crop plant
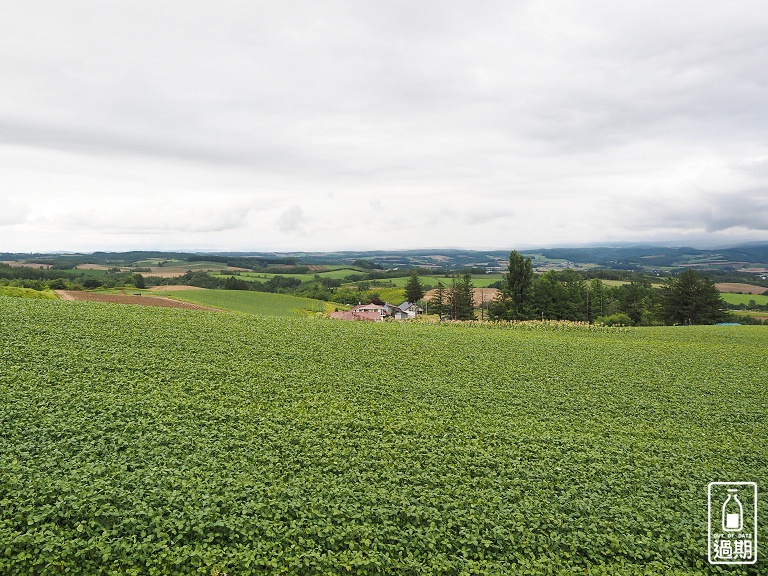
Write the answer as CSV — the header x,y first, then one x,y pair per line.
x,y
161,441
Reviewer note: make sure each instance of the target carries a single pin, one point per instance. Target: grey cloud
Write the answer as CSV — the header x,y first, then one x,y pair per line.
x,y
486,215
291,219
13,211
151,217
757,168
100,142
745,209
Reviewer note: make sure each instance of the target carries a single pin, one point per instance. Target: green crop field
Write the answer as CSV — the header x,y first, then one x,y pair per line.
x,y
340,274
478,280
162,441
744,298
263,303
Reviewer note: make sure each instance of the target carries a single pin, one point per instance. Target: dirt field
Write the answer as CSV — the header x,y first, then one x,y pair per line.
x,y
173,271
129,299
480,295
167,271
755,270
16,264
94,267
743,288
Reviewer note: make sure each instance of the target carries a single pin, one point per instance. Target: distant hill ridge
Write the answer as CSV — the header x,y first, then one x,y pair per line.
x,y
627,257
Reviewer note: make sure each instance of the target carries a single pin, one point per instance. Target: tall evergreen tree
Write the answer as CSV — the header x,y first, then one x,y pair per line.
x,y
519,285
550,298
636,300
692,299
437,304
461,299
414,291
500,308
576,291
596,296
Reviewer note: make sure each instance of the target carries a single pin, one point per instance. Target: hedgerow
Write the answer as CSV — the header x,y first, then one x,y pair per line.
x,y
161,441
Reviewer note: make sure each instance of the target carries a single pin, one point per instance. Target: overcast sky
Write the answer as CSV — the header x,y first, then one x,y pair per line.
x,y
254,125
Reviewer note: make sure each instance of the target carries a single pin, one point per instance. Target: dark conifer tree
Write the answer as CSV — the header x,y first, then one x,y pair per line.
x,y
518,287
437,304
692,299
414,291
462,304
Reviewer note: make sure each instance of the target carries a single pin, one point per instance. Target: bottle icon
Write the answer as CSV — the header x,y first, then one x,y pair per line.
x,y
733,512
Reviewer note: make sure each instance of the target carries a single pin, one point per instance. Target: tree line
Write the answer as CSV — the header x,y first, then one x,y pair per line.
x,y
456,301
689,298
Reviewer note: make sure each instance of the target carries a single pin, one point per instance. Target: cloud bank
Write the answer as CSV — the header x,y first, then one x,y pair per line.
x,y
341,125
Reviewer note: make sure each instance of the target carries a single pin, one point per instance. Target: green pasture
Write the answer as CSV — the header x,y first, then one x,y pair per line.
x,y
175,264
87,272
161,441
261,276
478,280
744,298
197,266
338,274
394,295
150,262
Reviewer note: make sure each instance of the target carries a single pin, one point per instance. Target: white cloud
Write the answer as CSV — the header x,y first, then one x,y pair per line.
x,y
265,126
13,211
291,219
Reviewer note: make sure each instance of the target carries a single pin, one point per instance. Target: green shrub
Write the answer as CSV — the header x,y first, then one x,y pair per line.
x,y
616,320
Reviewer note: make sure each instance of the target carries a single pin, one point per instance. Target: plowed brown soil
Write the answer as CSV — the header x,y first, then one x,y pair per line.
x,y
129,299
479,295
742,288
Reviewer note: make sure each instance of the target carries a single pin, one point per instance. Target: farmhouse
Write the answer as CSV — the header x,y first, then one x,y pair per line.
x,y
377,313
407,311
372,308
364,312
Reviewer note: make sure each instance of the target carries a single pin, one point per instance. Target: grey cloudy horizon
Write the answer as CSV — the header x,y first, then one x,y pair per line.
x,y
259,126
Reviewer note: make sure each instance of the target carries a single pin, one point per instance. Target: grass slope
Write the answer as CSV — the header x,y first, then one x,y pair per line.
x,y
17,292
263,303
158,441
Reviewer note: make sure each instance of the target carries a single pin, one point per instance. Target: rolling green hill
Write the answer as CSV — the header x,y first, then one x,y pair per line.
x,y
262,303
